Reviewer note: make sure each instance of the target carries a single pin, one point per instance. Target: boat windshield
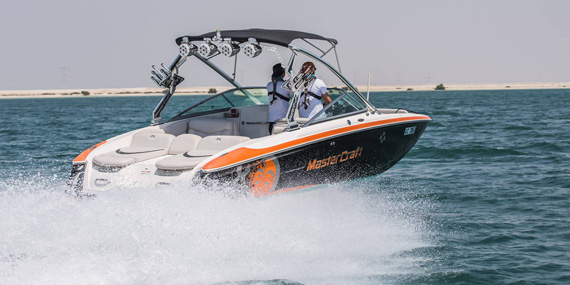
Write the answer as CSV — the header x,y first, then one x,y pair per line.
x,y
343,103
238,97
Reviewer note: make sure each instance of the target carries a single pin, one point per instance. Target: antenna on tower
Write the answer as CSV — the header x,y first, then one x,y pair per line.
x,y
64,77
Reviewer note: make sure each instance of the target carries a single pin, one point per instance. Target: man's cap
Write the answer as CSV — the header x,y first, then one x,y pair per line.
x,y
278,70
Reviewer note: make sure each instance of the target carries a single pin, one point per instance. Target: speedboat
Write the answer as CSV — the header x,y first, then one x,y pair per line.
x,y
225,137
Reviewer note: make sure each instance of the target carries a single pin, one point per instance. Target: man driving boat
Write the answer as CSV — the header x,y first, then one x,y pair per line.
x,y
310,101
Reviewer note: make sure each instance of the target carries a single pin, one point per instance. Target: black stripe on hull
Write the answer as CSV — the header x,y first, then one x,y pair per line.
x,y
355,155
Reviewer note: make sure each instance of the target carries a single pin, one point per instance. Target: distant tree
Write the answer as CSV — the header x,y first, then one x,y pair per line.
x,y
85,93
212,91
440,87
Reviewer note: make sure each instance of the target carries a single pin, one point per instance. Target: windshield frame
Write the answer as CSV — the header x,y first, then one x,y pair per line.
x,y
313,120
223,94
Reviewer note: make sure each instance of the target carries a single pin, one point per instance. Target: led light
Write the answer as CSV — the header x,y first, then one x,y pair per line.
x,y
187,49
229,50
252,50
207,49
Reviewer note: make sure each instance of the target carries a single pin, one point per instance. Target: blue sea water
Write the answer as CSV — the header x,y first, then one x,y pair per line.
x,y
483,198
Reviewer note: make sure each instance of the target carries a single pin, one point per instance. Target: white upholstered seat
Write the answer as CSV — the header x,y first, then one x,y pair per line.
x,y
144,146
220,142
184,143
207,147
207,127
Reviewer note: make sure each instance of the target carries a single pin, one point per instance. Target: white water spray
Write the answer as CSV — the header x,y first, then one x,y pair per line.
x,y
187,236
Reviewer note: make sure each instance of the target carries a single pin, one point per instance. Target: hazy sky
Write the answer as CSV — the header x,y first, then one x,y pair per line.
x,y
112,44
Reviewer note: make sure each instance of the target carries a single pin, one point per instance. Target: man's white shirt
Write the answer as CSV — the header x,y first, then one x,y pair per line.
x,y
277,110
315,105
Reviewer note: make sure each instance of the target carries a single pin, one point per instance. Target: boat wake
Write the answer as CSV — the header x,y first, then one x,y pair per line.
x,y
342,233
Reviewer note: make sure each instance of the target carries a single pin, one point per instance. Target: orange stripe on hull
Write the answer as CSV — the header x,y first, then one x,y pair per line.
x,y
244,153
85,153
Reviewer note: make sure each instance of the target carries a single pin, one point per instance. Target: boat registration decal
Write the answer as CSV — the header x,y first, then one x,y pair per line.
x,y
409,131
334,159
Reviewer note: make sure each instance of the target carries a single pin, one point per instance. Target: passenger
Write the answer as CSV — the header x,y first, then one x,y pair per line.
x,y
278,96
310,101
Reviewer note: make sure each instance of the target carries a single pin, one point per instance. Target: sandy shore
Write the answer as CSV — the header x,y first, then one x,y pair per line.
x,y
204,90
101,92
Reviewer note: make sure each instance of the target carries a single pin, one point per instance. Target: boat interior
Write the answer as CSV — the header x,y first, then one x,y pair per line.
x,y
185,143
210,127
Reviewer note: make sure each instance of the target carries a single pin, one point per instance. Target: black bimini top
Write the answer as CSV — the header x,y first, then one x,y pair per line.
x,y
276,37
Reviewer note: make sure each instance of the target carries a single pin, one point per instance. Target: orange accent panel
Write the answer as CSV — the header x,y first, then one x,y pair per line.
x,y
85,153
242,154
263,178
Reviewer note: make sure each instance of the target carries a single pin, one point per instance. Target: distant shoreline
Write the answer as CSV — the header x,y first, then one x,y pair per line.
x,y
107,92
67,93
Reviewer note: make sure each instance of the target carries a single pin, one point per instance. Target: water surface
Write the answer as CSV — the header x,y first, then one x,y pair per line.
x,y
482,198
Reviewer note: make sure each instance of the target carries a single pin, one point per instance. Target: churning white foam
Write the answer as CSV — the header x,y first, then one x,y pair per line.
x,y
186,236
